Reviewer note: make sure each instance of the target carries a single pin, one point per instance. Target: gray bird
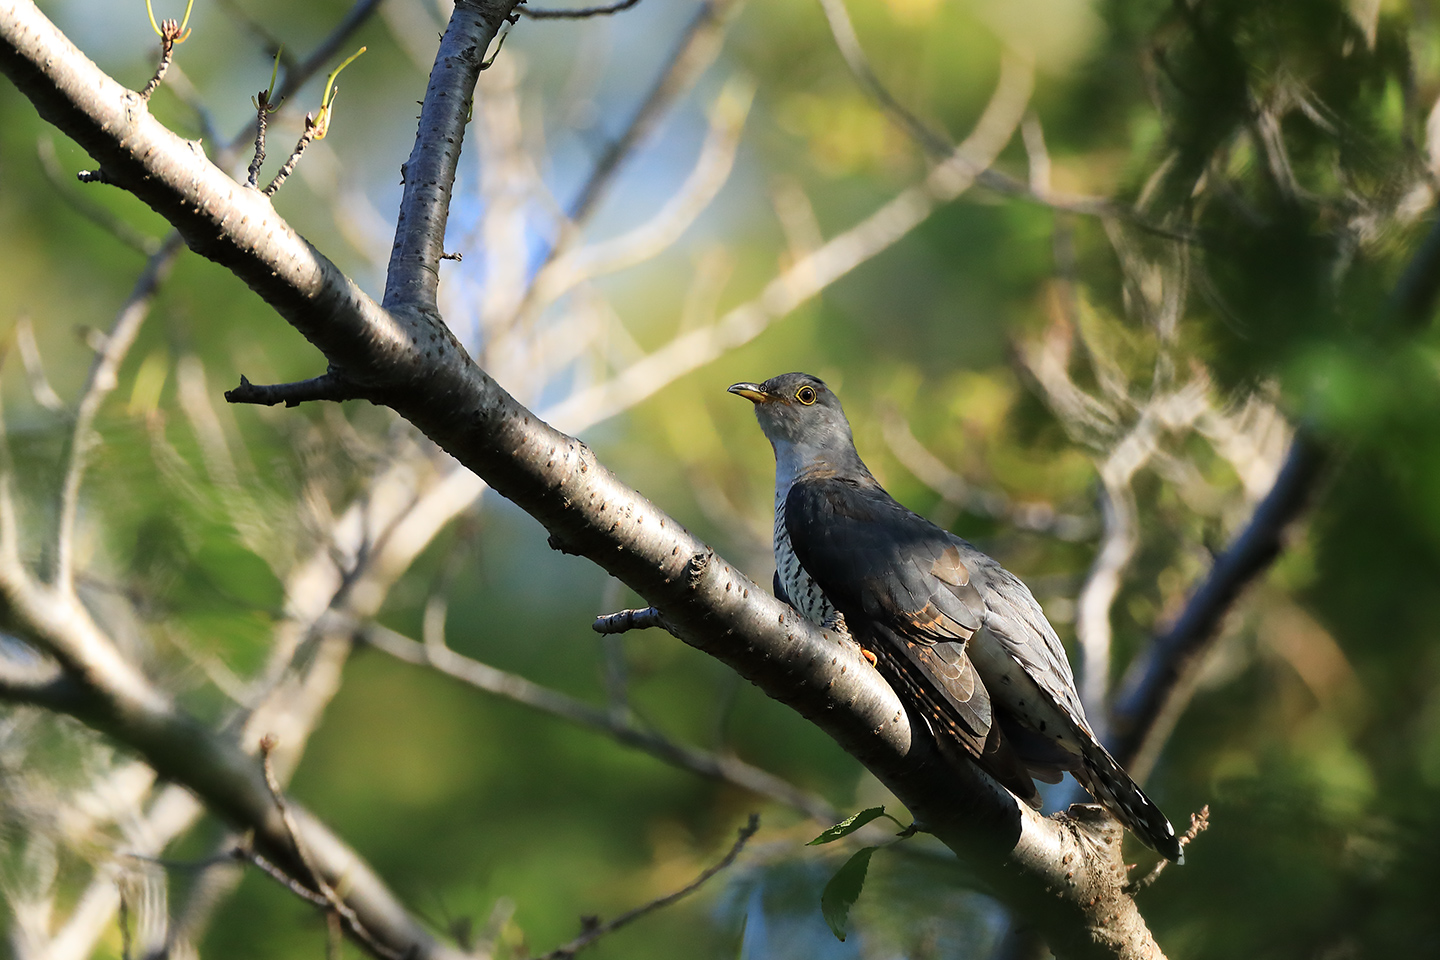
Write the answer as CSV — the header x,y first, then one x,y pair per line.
x,y
954,633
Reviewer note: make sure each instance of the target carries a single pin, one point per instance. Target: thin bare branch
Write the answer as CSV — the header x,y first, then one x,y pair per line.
x,y
812,274
621,729
333,902
579,13
324,387
104,376
40,387
649,239
413,279
957,492
696,49
599,930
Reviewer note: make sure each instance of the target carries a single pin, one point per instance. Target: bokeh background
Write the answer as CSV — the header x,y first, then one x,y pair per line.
x,y
1191,252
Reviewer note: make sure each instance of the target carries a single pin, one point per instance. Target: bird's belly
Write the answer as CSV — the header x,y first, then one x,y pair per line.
x,y
804,593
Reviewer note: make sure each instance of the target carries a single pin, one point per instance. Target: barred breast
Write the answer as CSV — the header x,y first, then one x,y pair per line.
x,y
805,595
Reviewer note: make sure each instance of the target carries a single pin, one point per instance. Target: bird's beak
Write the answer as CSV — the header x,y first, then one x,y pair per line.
x,y
750,391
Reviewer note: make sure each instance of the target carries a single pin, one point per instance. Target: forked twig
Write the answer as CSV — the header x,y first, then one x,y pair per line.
x,y
335,904
1199,823
594,931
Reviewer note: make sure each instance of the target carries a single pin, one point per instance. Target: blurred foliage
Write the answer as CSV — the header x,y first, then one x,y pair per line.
x,y
1290,144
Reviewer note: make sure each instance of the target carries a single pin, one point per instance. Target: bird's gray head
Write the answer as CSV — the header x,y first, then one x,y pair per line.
x,y
802,419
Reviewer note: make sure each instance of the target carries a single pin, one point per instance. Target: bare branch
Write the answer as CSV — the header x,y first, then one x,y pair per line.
x,y
335,905
513,687
578,13
40,388
808,276
104,376
627,620
324,387
597,931
961,495
413,279
649,239
696,49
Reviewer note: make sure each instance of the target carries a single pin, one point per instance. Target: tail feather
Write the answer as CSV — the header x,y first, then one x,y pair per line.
x,y
1108,782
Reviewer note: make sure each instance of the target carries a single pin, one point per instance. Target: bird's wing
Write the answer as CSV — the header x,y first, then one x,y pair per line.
x,y
904,593
1013,618
873,557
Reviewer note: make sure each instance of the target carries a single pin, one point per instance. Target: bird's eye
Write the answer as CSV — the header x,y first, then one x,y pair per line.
x,y
805,395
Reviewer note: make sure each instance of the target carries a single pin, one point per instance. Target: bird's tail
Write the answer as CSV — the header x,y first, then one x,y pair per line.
x,y
1108,782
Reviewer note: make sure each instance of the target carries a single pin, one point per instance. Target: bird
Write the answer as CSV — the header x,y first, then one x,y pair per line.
x,y
960,638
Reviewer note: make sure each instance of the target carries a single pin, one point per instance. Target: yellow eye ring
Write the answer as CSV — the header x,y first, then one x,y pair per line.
x,y
806,395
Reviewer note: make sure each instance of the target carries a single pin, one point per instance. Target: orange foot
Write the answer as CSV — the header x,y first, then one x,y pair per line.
x,y
869,656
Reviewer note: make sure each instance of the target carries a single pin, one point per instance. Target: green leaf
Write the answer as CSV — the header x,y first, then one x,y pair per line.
x,y
848,826
843,890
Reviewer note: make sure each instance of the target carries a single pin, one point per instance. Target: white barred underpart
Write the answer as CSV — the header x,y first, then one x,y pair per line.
x,y
804,593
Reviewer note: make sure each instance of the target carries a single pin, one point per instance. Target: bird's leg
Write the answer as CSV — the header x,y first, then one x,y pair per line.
x,y
836,623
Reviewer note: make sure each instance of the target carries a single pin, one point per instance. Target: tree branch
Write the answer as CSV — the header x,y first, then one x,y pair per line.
x,y
413,280
106,692
501,683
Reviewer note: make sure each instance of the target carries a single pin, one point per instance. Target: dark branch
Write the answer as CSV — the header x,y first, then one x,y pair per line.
x,y
1157,673
324,387
412,281
1154,688
578,13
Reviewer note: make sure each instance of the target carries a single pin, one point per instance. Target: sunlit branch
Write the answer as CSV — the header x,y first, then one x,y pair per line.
x,y
413,278
693,53
104,377
651,238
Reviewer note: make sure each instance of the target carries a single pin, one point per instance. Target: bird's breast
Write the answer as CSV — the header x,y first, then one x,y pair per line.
x,y
804,593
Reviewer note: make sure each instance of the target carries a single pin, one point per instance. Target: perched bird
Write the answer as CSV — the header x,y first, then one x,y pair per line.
x,y
957,635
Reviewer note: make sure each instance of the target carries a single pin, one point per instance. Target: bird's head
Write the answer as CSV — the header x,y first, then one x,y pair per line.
x,y
797,410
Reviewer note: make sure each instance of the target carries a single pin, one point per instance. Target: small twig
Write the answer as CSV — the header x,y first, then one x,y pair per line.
x,y
40,388
87,208
332,899
324,387
94,176
290,164
285,880
104,377
1199,823
627,620
577,14
262,114
171,33
265,104
594,931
